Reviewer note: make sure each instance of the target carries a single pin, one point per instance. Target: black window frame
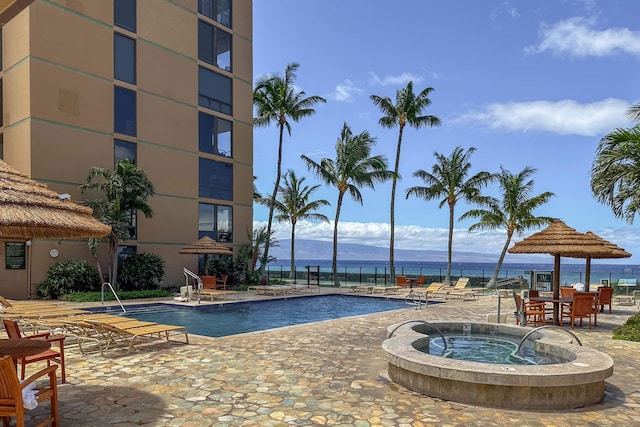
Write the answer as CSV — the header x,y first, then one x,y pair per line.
x,y
125,146
124,62
209,140
215,179
125,14
215,91
215,231
210,40
122,95
215,10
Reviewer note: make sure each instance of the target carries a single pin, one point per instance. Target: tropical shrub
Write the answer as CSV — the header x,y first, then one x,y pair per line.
x,y
65,277
140,271
629,331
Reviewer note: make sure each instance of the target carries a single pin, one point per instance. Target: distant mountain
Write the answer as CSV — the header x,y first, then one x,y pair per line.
x,y
321,250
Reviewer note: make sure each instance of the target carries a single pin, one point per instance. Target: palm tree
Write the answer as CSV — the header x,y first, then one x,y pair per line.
x,y
294,205
351,169
615,172
277,100
116,196
513,213
407,110
448,182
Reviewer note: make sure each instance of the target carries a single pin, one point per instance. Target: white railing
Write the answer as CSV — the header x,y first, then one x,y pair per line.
x,y
114,294
190,275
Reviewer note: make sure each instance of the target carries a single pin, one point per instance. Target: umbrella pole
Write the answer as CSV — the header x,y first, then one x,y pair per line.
x,y
556,287
587,274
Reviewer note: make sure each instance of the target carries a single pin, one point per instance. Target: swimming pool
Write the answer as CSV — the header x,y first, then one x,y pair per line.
x,y
236,318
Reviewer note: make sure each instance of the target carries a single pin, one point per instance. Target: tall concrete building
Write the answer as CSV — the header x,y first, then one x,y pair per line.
x,y
164,83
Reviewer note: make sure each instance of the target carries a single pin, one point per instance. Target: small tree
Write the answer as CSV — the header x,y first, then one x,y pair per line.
x,y
114,195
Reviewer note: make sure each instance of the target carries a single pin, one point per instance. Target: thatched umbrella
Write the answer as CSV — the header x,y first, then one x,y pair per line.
x,y
30,210
560,240
614,251
206,246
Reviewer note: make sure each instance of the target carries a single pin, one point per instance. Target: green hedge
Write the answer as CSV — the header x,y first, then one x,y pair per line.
x,y
630,330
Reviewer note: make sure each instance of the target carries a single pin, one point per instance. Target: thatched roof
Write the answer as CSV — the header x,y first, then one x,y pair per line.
x,y
206,245
560,239
30,210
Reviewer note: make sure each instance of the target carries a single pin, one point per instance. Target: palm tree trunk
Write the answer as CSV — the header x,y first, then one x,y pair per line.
x,y
334,263
265,255
450,245
494,276
392,213
292,273
113,260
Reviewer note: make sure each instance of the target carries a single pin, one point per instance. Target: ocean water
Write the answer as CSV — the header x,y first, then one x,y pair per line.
x,y
570,272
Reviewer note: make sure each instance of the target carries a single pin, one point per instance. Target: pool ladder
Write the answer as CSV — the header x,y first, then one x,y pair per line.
x,y
444,341
416,300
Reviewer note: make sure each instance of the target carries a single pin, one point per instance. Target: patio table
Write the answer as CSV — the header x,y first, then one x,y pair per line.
x,y
21,347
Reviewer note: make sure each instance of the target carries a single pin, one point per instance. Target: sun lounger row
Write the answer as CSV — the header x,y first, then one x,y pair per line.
x,y
275,290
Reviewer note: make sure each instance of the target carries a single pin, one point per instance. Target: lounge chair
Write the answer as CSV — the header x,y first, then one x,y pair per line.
x,y
460,290
271,289
11,399
210,288
113,332
386,290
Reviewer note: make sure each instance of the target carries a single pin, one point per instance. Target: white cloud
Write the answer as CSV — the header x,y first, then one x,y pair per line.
x,y
399,80
564,117
345,92
425,238
578,37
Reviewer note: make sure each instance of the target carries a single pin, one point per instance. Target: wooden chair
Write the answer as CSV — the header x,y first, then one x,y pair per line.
x,y
605,295
208,282
582,308
221,282
401,281
420,282
13,331
11,401
534,293
534,311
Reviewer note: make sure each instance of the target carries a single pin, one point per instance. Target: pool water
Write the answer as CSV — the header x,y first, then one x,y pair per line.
x,y
236,318
489,349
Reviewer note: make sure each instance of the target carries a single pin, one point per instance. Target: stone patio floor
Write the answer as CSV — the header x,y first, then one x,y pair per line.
x,y
326,373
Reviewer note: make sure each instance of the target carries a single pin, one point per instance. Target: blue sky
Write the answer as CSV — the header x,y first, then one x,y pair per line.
x,y
526,83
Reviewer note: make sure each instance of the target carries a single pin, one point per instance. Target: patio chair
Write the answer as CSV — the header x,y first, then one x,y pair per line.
x,y
534,311
605,295
11,400
13,331
221,282
402,281
582,308
459,290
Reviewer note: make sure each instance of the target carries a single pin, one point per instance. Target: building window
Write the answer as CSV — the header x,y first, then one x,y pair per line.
x,y
214,46
124,58
124,150
214,135
125,251
132,224
215,179
124,14
214,91
124,111
218,10
215,221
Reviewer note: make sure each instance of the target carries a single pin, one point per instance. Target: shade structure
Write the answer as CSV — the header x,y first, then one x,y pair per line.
x,y
614,252
560,240
30,210
206,246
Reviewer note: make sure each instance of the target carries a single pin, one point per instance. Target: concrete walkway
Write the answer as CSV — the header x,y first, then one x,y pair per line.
x,y
326,373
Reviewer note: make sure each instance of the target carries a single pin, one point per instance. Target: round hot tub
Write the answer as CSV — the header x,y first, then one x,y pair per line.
x,y
551,373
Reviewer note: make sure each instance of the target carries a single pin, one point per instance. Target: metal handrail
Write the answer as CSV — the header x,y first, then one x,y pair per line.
x,y
444,341
188,273
501,284
546,327
415,299
114,294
